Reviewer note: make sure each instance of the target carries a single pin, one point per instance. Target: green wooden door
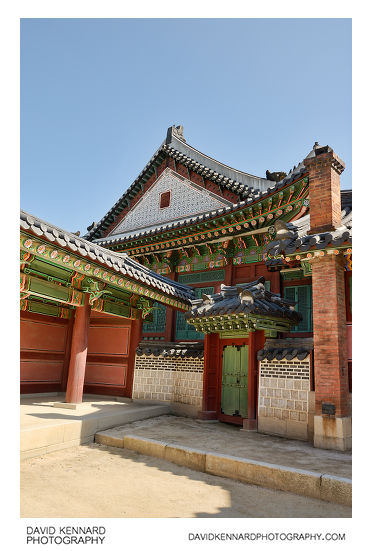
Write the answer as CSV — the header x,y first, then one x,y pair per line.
x,y
234,388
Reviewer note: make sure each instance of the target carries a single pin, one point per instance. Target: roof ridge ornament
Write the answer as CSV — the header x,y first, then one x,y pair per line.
x,y
176,132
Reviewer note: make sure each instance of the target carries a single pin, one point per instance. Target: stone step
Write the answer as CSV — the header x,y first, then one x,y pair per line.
x,y
61,431
298,481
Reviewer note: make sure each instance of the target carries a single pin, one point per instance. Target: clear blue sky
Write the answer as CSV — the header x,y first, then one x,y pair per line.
x,y
97,96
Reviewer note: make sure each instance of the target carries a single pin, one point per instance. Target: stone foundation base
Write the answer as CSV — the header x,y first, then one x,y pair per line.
x,y
249,425
285,428
332,433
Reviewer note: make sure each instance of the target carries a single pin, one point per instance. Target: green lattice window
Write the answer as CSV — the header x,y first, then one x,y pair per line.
x,y
302,295
158,320
184,331
202,277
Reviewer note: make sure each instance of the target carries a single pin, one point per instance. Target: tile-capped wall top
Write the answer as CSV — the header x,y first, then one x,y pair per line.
x,y
286,349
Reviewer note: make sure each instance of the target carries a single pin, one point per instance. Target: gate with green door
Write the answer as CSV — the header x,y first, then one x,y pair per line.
x,y
234,385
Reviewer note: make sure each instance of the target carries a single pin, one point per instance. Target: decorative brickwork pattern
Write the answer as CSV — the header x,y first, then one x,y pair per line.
x,y
284,389
169,379
185,200
288,369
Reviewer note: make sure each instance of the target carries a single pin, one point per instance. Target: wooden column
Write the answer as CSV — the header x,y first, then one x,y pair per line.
x,y
78,357
255,342
66,361
210,377
135,337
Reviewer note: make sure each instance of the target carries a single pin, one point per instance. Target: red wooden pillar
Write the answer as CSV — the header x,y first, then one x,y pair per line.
x,y
256,341
135,337
210,377
78,357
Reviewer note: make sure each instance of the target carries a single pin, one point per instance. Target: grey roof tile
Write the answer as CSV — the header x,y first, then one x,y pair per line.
x,y
118,261
236,299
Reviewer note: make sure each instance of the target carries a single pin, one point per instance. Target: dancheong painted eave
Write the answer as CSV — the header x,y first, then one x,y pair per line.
x,y
294,240
247,187
167,291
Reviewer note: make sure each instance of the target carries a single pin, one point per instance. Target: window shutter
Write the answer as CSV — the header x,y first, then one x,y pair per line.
x,y
184,331
302,295
304,305
290,293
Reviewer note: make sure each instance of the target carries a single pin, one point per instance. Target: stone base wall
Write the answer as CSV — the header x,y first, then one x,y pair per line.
x,y
169,379
284,402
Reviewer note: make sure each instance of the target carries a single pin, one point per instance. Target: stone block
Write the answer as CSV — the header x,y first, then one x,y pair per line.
x,y
187,457
144,445
271,425
41,438
332,433
109,440
289,384
267,475
296,430
336,490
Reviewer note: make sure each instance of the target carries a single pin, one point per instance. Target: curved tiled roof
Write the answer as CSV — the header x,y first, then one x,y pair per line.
x,y
286,349
294,238
248,298
120,262
249,188
202,217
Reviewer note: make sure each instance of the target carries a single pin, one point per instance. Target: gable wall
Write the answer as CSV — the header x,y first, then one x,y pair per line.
x,y
194,177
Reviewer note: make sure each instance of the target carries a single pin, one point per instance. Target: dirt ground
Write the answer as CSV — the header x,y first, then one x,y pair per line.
x,y
105,482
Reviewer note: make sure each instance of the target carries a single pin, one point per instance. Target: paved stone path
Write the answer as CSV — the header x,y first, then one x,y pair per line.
x,y
229,439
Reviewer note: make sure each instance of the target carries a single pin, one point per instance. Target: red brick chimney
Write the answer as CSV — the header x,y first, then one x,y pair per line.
x,y
324,168
332,422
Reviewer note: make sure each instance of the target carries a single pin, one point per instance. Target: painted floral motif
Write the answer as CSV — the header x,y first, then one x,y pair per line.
x,y
104,275
54,254
113,278
77,263
96,271
87,267
66,259
27,243
120,281
41,249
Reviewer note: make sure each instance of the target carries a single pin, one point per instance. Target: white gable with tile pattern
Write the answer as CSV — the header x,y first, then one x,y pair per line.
x,y
186,199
